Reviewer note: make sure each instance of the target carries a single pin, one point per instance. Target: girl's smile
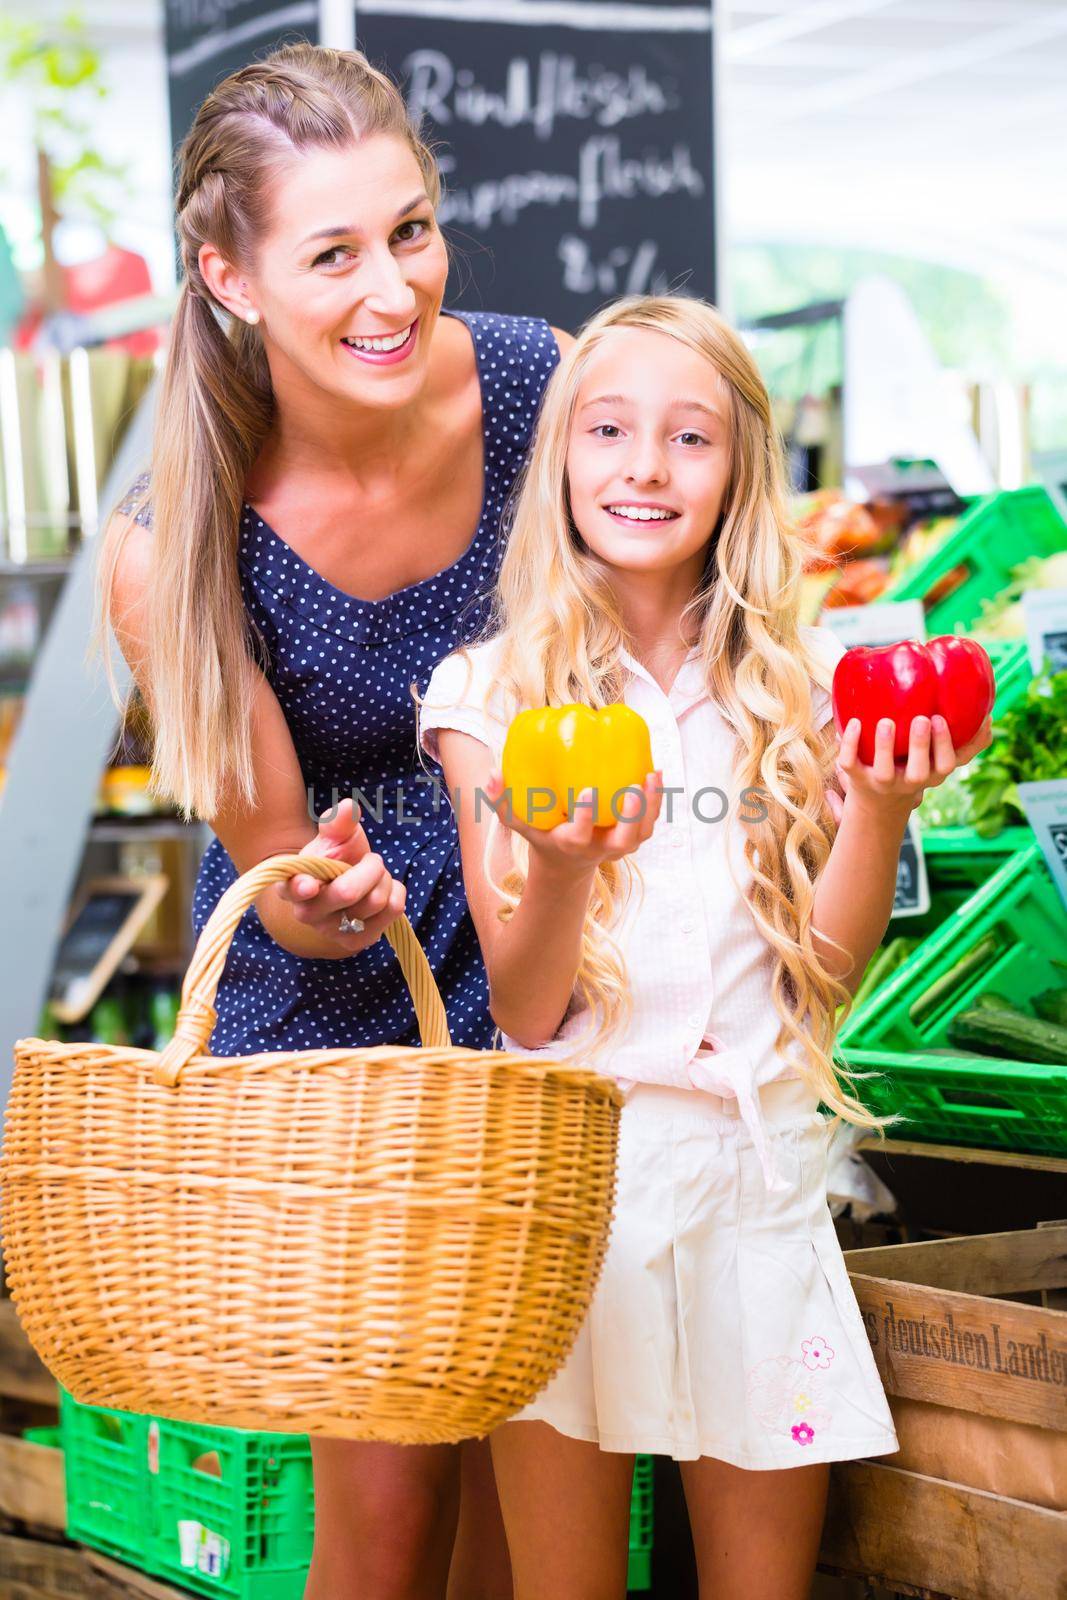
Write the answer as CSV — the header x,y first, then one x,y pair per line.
x,y
646,511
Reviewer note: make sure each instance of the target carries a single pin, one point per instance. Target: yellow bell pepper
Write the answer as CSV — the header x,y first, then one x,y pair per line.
x,y
551,754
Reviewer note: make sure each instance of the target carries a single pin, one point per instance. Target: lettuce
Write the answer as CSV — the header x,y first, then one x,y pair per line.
x,y
1029,746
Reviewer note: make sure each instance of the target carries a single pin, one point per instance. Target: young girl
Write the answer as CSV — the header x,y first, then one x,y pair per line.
x,y
696,950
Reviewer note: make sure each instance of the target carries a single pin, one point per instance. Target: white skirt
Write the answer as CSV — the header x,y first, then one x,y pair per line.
x,y
724,1323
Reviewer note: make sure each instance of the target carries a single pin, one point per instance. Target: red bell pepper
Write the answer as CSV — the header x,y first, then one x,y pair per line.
x,y
949,675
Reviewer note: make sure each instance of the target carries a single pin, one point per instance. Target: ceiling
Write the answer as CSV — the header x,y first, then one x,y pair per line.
x,y
935,127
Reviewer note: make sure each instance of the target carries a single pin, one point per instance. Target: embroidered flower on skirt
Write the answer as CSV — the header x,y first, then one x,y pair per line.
x,y
786,1395
816,1353
782,1394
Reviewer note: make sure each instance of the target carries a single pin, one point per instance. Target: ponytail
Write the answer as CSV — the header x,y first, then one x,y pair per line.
x,y
216,406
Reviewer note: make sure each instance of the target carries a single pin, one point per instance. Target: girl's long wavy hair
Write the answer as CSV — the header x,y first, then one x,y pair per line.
x,y
216,405
559,633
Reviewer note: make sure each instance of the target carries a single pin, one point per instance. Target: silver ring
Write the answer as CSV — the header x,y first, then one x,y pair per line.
x,y
351,924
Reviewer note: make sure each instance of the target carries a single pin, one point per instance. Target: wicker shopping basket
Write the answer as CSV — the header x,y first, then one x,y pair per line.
x,y
390,1243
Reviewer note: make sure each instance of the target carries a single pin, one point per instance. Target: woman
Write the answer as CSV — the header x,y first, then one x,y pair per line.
x,y
302,552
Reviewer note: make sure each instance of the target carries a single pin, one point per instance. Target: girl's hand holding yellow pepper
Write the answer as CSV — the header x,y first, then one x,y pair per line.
x,y
578,783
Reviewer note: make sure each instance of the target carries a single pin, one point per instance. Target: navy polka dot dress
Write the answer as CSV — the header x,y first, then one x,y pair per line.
x,y
342,670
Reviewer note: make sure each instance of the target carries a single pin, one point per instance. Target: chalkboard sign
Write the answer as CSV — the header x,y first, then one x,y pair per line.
x,y
575,144
912,898
208,39
104,922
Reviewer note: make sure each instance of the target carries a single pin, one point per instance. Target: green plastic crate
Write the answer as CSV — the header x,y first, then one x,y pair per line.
x,y
105,1458
639,1577
639,1572
949,1096
51,1438
248,1533
961,857
958,861
132,1480
991,538
1012,671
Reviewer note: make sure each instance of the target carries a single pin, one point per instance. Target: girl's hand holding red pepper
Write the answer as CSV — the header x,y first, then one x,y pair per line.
x,y
899,710
931,756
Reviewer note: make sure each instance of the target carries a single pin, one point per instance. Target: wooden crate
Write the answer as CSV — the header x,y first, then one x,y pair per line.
x,y
32,1488
922,1536
33,1570
977,1380
23,1375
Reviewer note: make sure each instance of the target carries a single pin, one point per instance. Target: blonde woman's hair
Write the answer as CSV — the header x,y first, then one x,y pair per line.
x,y
216,405
559,634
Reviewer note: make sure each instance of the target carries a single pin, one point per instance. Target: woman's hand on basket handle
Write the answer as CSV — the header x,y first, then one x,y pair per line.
x,y
367,891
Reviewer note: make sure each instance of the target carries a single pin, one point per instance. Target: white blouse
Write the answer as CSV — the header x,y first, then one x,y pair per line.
x,y
699,969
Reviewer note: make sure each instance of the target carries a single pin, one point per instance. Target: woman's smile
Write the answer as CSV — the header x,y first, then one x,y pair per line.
x,y
383,350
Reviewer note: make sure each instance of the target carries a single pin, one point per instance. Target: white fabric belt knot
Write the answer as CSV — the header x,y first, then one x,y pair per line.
x,y
728,1071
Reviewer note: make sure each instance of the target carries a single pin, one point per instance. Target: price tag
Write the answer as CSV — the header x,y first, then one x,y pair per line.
x,y
912,898
877,624
1045,805
1045,611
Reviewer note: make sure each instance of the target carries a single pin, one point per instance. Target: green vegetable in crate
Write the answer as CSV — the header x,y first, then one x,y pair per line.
x,y
1052,1005
1029,746
885,961
949,804
1009,1034
1003,618
968,967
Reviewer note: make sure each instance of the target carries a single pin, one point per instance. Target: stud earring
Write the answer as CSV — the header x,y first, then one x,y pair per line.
x,y
252,316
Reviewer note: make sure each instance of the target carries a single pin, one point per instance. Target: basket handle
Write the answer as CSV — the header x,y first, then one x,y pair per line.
x,y
196,1015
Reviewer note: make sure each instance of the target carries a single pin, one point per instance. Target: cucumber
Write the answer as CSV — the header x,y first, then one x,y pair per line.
x,y
882,965
1052,1005
1011,1035
992,1002
968,966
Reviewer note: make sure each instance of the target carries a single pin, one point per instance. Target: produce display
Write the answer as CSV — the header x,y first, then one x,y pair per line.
x,y
1002,617
885,961
1029,746
972,1050
834,527
993,1026
951,676
861,550
552,753
968,563
848,548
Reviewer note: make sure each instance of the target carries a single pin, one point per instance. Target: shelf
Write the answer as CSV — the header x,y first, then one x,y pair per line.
x,y
122,830
57,567
964,1153
163,965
